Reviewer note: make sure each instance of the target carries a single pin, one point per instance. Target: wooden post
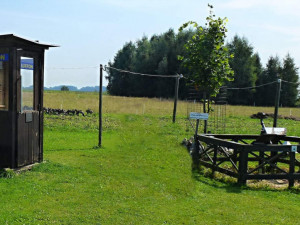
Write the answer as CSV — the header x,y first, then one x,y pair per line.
x,y
176,97
277,99
100,106
243,165
261,160
195,153
292,169
215,158
197,127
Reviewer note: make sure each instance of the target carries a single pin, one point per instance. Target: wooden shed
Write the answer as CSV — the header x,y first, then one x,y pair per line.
x,y
21,101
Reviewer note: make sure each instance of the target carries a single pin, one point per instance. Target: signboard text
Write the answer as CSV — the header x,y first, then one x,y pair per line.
x,y
199,116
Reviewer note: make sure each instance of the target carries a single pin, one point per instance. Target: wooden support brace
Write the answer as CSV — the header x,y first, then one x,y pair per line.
x,y
215,158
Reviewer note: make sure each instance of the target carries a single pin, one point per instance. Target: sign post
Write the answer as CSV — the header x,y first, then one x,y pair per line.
x,y
195,154
27,64
198,116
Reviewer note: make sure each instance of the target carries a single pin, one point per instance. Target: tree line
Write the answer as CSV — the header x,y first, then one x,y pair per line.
x,y
159,55
156,55
249,72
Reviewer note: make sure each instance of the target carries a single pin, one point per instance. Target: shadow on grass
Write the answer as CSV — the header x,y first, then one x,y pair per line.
x,y
78,149
46,166
222,181
208,179
231,186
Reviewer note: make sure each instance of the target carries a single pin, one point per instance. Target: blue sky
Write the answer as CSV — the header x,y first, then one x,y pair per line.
x,y
90,32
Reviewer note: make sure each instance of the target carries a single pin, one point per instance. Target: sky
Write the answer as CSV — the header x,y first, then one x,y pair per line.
x,y
90,32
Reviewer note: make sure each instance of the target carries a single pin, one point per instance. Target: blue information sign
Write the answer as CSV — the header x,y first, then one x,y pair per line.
x,y
3,57
27,64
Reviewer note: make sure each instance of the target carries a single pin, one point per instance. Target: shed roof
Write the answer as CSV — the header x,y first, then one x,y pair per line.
x,y
17,40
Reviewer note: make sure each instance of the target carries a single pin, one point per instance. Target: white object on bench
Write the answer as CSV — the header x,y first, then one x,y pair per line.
x,y
276,130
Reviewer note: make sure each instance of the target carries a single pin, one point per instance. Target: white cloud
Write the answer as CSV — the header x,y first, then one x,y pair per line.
x,y
133,4
149,6
290,33
286,7
240,4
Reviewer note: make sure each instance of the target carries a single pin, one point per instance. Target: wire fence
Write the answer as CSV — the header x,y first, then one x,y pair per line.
x,y
221,119
141,74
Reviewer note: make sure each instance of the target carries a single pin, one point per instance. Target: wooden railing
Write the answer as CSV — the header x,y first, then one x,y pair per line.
x,y
249,157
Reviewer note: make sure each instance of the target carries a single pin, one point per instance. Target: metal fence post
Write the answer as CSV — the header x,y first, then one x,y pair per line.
x,y
277,99
100,106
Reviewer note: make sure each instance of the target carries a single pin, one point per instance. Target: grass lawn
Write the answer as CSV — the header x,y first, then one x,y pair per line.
x,y
141,175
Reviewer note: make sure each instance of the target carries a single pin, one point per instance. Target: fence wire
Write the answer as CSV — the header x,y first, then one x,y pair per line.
x,y
217,116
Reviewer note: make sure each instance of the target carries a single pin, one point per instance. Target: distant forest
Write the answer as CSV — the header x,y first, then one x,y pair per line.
x,y
159,55
74,88
69,88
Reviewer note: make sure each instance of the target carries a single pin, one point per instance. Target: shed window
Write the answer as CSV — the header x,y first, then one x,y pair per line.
x,y
3,81
27,79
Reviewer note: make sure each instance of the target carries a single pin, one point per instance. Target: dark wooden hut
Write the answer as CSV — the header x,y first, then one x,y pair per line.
x,y
21,101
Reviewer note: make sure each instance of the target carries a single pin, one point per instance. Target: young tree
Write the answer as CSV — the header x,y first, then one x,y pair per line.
x,y
207,57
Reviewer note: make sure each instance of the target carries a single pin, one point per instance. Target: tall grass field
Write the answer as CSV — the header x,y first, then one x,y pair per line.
x,y
141,175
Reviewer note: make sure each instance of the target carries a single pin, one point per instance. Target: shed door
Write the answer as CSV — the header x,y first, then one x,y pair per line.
x,y
28,109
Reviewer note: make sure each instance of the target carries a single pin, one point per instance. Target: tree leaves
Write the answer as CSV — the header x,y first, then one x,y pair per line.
x,y
159,54
207,58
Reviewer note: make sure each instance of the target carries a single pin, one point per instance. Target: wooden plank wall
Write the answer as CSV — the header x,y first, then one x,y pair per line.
x,y
5,139
28,139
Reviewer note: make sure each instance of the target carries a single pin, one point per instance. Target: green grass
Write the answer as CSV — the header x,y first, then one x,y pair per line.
x,y
141,175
